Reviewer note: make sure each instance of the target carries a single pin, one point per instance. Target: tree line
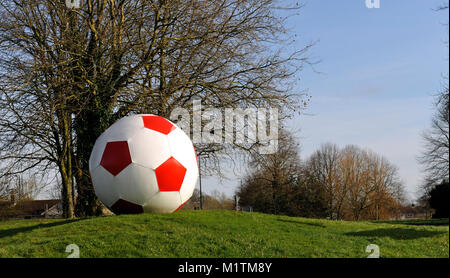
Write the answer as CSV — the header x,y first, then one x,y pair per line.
x,y
347,183
214,200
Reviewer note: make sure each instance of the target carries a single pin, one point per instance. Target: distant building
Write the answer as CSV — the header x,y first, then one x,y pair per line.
x,y
415,212
12,209
247,208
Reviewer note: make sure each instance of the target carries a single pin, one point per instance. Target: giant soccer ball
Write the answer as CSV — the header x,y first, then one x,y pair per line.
x,y
143,163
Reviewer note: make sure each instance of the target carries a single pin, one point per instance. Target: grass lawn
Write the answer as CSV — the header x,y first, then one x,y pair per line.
x,y
221,234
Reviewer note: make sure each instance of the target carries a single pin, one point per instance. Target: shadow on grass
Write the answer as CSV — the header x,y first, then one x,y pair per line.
x,y
396,233
301,223
14,231
427,222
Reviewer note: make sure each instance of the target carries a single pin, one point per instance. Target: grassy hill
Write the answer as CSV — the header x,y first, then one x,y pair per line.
x,y
221,234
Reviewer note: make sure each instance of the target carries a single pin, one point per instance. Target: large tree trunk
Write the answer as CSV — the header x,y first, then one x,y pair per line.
x,y
67,201
89,125
87,203
65,165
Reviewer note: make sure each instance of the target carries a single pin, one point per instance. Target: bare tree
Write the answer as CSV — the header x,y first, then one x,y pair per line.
x,y
23,187
374,186
110,58
278,183
278,170
355,170
5,190
435,156
359,184
323,165
389,191
36,100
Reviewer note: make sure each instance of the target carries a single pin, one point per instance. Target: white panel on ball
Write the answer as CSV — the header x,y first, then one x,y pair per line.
x,y
125,127
164,202
149,148
136,184
190,180
97,152
181,148
104,188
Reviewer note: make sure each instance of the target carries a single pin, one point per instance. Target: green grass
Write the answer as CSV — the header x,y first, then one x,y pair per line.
x,y
221,234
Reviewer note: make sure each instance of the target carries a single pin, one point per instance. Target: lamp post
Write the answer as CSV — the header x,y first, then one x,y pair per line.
x,y
200,182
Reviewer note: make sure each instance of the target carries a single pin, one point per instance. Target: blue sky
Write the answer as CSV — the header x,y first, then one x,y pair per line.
x,y
379,69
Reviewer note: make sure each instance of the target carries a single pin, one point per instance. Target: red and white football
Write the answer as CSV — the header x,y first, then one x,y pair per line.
x,y
143,163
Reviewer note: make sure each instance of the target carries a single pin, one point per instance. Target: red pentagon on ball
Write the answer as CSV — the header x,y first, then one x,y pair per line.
x,y
158,123
116,157
170,175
